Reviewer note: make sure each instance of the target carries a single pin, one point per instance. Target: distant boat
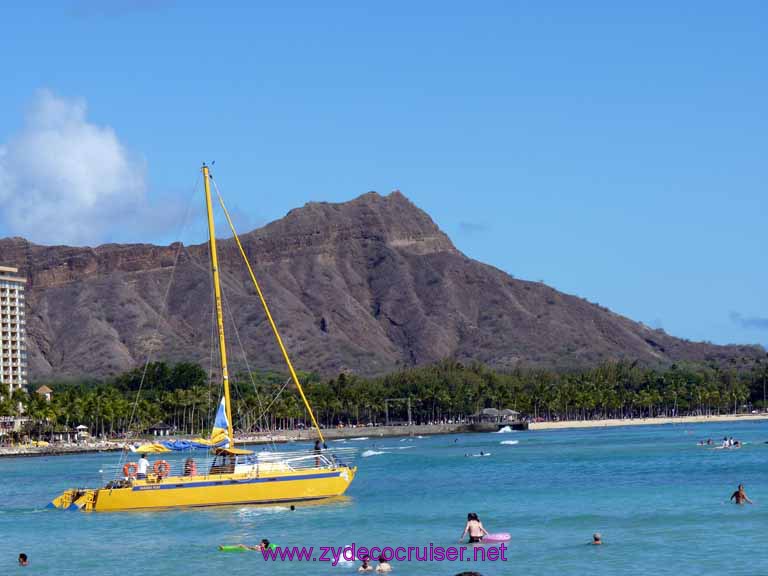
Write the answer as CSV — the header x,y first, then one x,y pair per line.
x,y
234,476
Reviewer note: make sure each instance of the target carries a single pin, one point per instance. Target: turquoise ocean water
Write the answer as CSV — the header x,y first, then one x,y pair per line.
x,y
659,500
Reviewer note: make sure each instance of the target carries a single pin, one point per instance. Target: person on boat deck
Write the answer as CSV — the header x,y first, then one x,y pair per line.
x,y
383,565
318,449
190,467
740,496
474,528
597,539
143,467
365,567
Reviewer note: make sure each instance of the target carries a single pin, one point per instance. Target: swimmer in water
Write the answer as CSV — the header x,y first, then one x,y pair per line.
x,y
474,528
384,565
365,567
740,496
263,545
597,539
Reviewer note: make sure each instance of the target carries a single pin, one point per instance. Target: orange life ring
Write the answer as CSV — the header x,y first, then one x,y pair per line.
x,y
162,468
130,469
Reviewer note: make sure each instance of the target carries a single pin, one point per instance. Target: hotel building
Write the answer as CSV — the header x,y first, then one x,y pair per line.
x,y
13,333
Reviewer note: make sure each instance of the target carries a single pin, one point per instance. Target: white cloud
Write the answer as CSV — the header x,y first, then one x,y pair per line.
x,y
64,180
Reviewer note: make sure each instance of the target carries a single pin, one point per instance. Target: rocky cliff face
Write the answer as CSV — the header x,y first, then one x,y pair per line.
x,y
368,285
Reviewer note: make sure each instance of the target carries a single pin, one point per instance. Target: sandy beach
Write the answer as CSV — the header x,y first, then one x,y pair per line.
x,y
645,421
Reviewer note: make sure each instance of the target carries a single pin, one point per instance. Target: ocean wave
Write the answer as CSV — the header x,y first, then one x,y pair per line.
x,y
261,511
369,453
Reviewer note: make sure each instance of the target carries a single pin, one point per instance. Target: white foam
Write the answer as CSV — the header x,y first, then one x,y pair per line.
x,y
369,453
349,552
505,430
510,442
261,510
361,438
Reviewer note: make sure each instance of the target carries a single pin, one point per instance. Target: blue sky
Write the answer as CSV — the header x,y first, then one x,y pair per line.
x,y
616,151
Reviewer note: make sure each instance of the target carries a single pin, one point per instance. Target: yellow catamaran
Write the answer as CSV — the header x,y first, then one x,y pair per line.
x,y
234,476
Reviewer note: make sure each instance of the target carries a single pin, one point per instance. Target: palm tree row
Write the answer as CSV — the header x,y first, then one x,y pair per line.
x,y
183,398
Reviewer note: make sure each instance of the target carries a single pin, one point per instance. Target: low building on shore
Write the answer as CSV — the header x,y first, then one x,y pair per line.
x,y
62,434
46,392
81,432
12,424
494,416
160,429
490,419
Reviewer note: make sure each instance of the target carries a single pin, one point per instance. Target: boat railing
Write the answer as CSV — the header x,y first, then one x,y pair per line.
x,y
307,459
262,462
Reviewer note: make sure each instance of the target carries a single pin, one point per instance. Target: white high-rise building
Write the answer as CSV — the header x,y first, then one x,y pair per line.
x,y
13,331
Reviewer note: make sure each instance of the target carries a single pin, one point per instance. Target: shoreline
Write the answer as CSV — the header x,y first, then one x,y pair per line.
x,y
331,434
279,437
615,422
309,435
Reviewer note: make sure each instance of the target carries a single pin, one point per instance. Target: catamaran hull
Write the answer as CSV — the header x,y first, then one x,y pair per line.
x,y
214,490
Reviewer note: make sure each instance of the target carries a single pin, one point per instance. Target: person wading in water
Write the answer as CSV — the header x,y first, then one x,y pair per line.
x,y
740,496
475,529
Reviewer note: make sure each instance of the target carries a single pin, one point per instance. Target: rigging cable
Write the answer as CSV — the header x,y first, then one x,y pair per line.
x,y
245,357
269,315
160,315
212,407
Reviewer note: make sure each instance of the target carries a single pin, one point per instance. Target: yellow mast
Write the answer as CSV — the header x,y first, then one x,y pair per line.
x,y
219,313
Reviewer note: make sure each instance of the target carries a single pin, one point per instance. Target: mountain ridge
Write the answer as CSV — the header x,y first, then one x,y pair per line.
x,y
369,286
